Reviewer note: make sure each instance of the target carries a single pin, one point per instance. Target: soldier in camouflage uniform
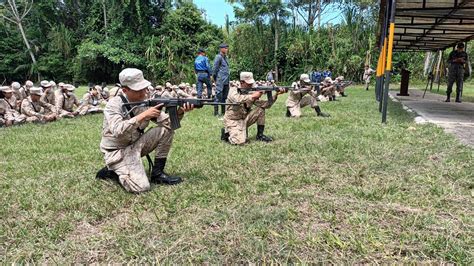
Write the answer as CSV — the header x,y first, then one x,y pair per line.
x,y
124,140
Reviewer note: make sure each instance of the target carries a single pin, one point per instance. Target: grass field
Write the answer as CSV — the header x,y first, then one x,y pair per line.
x,y
344,189
467,94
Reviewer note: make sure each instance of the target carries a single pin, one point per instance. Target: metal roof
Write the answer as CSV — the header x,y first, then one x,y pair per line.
x,y
430,25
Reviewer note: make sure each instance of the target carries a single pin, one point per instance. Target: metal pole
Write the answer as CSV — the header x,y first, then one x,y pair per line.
x,y
389,61
379,89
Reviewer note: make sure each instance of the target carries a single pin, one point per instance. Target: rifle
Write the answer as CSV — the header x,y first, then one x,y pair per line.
x,y
344,83
267,89
171,105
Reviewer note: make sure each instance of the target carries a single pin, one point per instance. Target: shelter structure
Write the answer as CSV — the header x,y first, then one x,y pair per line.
x,y
418,25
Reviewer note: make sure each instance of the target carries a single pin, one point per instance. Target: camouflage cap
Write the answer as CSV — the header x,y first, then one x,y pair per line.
x,y
305,78
6,89
247,77
45,84
15,85
133,78
36,91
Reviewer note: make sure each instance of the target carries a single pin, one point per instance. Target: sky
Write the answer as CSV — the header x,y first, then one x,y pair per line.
x,y
217,9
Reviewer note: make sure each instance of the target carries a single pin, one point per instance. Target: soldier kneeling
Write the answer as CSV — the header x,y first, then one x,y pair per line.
x,y
238,118
124,140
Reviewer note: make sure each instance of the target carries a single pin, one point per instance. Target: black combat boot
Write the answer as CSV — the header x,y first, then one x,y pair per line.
x,y
319,113
448,98
105,173
216,110
343,95
458,97
260,136
288,113
224,135
159,176
334,98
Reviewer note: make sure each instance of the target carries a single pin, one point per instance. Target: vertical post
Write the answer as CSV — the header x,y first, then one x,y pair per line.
x,y
379,88
388,69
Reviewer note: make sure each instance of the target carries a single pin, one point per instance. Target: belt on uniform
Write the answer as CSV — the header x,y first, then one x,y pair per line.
x,y
199,71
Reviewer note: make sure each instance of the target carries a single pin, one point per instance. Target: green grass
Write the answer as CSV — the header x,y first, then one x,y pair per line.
x,y
345,189
467,93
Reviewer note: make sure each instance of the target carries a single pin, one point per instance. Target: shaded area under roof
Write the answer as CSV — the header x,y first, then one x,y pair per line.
x,y
430,25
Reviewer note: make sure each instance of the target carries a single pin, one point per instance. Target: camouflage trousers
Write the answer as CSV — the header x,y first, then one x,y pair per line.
x,y
456,74
127,162
89,109
237,129
295,111
18,118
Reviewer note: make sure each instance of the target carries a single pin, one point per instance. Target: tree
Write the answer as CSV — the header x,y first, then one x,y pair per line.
x,y
14,14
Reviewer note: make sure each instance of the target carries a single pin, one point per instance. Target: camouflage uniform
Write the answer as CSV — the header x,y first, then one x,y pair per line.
x,y
37,111
123,145
301,97
238,118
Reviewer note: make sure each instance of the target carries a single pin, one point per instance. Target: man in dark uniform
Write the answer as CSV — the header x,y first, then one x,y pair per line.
x,y
221,73
456,60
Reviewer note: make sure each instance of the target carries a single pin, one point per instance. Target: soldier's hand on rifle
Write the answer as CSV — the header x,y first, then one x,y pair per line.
x,y
281,91
150,113
186,108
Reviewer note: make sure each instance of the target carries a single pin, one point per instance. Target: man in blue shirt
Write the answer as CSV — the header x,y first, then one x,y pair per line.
x,y
316,77
221,73
203,73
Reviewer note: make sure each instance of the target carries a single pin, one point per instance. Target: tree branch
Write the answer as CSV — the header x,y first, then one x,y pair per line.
x,y
9,19
27,10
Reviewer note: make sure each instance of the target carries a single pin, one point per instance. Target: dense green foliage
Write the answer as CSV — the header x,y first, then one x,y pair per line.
x,y
92,40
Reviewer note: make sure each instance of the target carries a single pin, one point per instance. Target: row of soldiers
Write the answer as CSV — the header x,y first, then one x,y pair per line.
x,y
126,136
51,101
48,102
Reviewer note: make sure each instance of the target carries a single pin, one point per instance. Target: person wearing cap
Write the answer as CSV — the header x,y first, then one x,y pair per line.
x,y
37,110
48,95
328,89
238,118
105,93
181,93
167,92
457,61
91,102
66,100
340,87
25,90
9,115
15,86
203,71
367,75
124,140
194,91
11,96
302,95
221,73
158,91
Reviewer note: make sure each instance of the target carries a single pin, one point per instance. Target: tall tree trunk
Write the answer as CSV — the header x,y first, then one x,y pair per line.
x,y
33,58
104,9
275,55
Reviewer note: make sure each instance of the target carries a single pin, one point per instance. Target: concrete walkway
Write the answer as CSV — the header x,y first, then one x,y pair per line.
x,y
455,118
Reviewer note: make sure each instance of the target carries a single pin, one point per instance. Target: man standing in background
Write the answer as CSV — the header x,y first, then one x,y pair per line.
x,y
221,74
203,73
457,59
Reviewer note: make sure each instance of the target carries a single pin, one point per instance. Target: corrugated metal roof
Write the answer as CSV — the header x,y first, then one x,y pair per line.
x,y
428,25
